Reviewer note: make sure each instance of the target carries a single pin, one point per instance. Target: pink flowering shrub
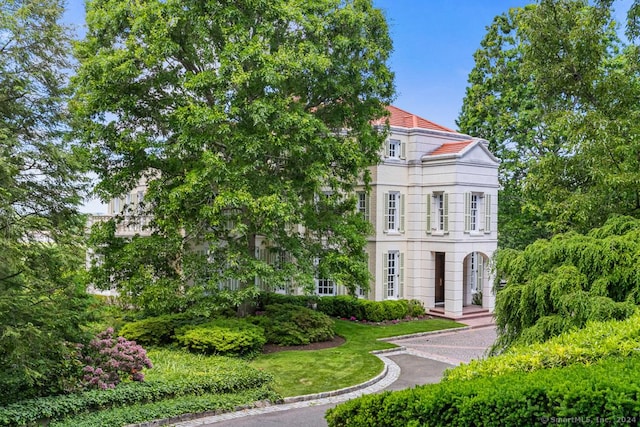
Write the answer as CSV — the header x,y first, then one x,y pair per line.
x,y
109,360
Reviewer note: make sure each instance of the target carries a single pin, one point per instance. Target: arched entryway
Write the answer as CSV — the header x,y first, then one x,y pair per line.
x,y
476,277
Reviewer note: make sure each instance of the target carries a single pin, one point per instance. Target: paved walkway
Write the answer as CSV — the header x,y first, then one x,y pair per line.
x,y
419,360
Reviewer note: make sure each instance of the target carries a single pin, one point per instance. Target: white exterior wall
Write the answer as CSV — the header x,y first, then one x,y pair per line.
x,y
473,169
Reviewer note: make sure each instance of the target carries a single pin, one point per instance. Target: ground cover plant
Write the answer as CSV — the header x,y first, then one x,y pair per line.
x,y
177,376
304,372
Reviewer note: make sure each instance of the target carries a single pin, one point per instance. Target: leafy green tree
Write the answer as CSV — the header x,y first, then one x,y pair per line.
x,y
559,284
247,118
556,93
42,300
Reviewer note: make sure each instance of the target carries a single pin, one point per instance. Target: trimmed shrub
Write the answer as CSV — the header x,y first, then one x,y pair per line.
x,y
607,391
344,306
223,337
597,341
288,324
160,330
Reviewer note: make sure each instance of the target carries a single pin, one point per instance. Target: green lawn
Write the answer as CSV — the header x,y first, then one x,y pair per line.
x,y
304,372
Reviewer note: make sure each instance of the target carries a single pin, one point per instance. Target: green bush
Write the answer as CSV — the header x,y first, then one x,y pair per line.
x,y
175,374
415,308
343,306
607,391
395,309
288,324
160,330
223,337
269,298
597,341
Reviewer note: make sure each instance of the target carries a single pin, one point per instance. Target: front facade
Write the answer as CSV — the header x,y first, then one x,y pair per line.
x,y
432,201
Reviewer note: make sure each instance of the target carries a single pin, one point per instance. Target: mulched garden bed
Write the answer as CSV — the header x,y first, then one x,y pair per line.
x,y
274,348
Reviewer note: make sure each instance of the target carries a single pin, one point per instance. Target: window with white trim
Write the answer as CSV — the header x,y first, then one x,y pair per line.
x,y
363,204
392,274
394,211
395,149
474,212
477,212
325,287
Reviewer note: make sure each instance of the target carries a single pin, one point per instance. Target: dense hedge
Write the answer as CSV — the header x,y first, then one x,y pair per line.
x,y
223,337
159,330
345,306
606,391
234,376
119,416
288,324
598,340
374,311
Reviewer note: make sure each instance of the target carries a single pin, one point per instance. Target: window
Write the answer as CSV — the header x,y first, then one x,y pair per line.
x,y
325,287
395,149
363,204
393,274
475,204
394,215
474,212
437,212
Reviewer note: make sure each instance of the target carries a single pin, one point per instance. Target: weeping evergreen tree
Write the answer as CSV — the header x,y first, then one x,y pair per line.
x,y
559,284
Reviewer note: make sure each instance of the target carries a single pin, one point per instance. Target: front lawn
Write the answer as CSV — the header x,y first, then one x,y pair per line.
x,y
304,372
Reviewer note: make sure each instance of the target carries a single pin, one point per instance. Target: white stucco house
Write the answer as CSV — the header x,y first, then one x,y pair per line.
x,y
433,204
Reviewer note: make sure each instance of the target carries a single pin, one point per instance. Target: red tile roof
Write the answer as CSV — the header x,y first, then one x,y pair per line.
x,y
450,148
401,118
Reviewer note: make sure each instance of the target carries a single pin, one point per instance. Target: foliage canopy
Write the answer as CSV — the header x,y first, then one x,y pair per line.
x,y
42,300
557,93
560,284
243,118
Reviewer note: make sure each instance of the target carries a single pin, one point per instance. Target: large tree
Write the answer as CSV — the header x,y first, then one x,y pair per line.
x,y
42,303
245,118
557,93
557,285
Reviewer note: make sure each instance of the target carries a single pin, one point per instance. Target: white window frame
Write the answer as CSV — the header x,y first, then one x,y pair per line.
x,y
325,287
474,205
392,274
363,204
395,149
393,200
394,212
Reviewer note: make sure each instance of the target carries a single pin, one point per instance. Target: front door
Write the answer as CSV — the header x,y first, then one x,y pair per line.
x,y
439,278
